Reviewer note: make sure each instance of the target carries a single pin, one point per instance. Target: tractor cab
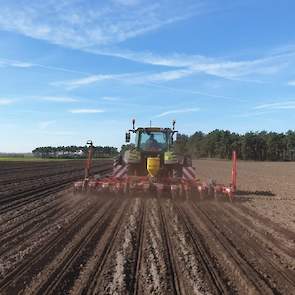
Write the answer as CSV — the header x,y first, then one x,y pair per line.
x,y
152,139
153,148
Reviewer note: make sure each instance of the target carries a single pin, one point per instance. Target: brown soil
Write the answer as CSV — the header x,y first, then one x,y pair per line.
x,y
269,187
72,244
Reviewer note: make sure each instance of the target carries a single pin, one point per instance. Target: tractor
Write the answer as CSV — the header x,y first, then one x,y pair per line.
x,y
151,167
153,155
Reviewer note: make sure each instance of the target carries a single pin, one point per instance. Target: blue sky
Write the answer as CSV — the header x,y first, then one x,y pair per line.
x,y
73,70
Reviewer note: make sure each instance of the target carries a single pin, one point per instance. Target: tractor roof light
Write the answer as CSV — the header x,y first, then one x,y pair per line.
x,y
89,143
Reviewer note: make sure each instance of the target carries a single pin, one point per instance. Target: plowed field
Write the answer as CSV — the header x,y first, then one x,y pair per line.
x,y
54,242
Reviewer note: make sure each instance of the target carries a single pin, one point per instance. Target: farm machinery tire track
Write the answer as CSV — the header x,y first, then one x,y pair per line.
x,y
27,228
108,243
276,276
15,279
25,197
216,283
59,280
178,287
139,256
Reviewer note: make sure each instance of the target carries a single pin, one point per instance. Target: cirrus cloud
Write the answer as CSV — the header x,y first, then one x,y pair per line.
x,y
99,23
86,111
178,111
61,99
283,105
5,101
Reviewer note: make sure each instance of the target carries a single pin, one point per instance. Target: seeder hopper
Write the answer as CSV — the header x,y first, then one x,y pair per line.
x,y
152,168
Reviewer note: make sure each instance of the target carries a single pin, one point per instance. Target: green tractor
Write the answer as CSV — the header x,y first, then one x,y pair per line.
x,y
151,167
153,155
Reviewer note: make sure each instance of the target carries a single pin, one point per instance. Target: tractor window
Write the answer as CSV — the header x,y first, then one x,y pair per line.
x,y
153,141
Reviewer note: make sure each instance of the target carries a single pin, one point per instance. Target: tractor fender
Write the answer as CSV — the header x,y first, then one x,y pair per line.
x,y
132,157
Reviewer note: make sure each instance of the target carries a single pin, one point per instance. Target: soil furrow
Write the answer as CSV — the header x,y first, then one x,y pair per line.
x,y
15,279
238,273
60,275
279,278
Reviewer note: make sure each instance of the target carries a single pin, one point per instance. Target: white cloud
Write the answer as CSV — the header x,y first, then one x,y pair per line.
x,y
14,63
194,64
86,111
98,24
88,80
5,101
24,64
142,78
103,24
20,64
188,66
179,111
46,124
59,99
164,76
285,105
76,83
131,78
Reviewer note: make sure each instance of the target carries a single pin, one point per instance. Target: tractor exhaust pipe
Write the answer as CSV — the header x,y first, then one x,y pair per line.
x,y
89,160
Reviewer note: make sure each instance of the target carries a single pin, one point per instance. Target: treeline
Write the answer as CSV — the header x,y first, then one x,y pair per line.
x,y
72,152
258,146
14,155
